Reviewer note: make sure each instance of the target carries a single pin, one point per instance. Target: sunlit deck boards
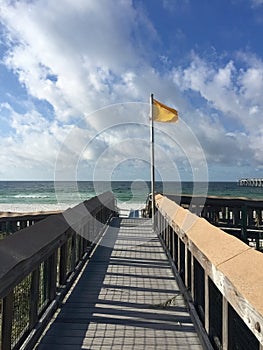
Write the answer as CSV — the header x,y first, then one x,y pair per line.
x,y
115,303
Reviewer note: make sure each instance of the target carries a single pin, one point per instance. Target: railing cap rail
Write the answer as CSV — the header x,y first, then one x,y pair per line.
x,y
216,200
16,216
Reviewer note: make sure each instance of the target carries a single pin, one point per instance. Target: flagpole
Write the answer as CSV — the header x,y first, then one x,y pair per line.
x,y
152,158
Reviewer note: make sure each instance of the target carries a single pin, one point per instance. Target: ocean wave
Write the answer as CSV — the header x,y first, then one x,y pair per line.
x,y
124,207
32,196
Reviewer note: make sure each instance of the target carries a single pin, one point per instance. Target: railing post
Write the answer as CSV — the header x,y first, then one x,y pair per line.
x,y
189,283
23,224
224,323
171,234
236,216
7,319
63,264
250,217
7,227
192,277
34,293
174,237
52,275
158,222
167,234
206,303
244,223
186,251
73,251
178,254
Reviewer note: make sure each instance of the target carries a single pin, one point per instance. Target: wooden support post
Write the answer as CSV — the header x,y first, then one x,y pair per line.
x,y
161,232
167,227
178,255
52,275
23,224
45,282
244,224
164,231
169,237
34,293
204,212
7,319
172,244
73,251
7,227
236,216
227,213
225,323
63,264
12,226
77,249
186,265
171,234
250,217
192,278
206,303
81,246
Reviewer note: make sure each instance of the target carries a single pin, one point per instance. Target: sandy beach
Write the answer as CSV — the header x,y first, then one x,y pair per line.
x,y
31,208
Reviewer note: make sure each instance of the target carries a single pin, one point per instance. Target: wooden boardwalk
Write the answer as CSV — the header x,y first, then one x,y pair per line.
x,y
126,298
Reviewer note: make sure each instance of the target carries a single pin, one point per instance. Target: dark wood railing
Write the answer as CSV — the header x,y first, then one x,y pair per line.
x,y
11,222
39,264
220,275
240,217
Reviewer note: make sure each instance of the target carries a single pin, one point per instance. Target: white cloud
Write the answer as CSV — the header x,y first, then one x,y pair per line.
x,y
215,84
87,45
30,148
88,49
236,94
84,55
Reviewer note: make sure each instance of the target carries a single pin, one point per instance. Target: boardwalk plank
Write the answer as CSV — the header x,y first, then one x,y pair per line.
x,y
119,301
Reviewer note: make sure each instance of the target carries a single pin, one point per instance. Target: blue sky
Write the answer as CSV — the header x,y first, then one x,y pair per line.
x,y
76,76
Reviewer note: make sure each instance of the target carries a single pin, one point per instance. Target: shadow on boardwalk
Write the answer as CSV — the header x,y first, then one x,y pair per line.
x,y
126,298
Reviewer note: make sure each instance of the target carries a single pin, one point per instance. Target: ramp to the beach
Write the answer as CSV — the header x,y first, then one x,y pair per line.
x,y
125,298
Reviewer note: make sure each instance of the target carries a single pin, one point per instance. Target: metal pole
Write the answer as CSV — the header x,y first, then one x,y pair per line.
x,y
152,158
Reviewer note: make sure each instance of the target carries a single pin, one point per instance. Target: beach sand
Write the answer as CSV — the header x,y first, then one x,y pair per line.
x,y
32,208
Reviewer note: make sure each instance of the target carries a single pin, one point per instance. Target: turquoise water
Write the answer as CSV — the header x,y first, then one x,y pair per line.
x,y
42,194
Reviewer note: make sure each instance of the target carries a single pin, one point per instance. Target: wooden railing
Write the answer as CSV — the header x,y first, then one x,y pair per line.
x,y
220,275
11,222
240,217
39,263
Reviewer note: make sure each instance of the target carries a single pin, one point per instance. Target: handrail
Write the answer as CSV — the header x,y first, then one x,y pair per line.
x,y
38,262
10,222
222,274
242,217
210,200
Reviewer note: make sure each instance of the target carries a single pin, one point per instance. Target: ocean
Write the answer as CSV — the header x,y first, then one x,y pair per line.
x,y
27,196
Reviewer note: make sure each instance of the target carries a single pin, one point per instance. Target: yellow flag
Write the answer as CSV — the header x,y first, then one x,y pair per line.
x,y
163,113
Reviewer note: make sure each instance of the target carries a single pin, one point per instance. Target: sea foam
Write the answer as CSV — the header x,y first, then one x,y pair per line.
x,y
124,207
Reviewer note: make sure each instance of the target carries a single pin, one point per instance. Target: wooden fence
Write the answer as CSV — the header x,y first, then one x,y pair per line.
x,y
240,217
222,276
39,263
11,222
